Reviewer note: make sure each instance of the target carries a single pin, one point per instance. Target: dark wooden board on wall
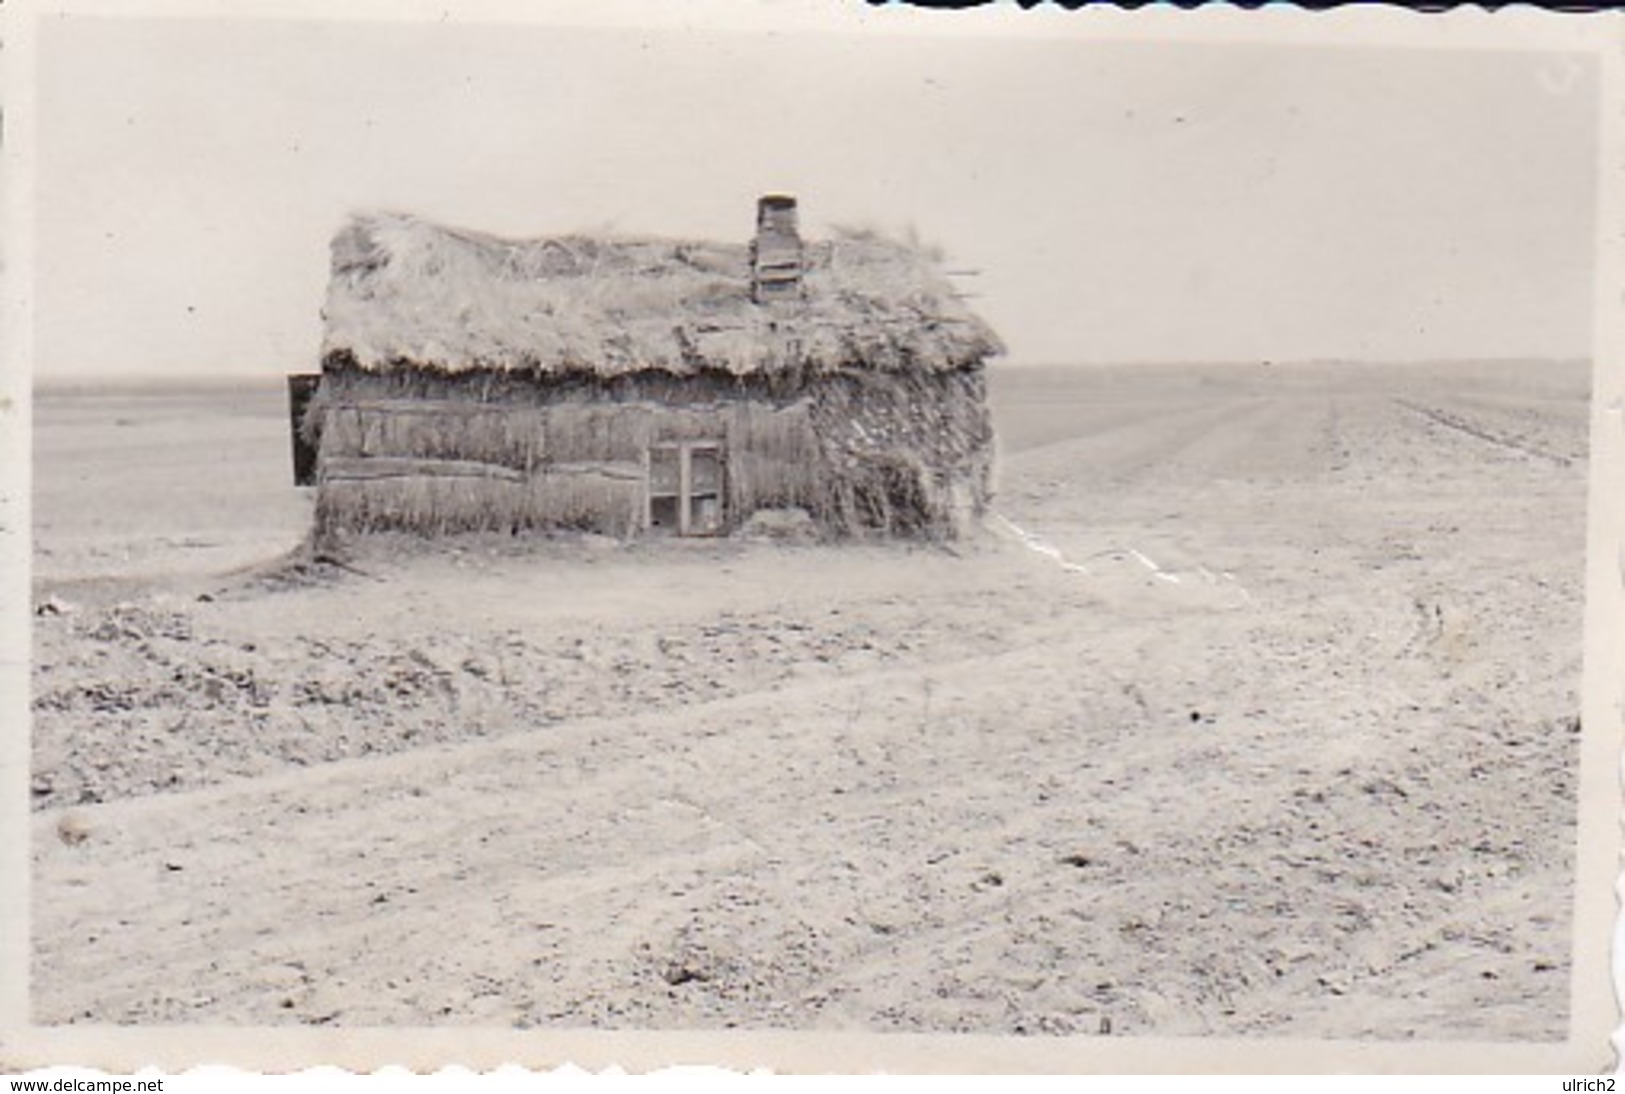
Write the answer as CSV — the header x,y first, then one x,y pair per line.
x,y
301,388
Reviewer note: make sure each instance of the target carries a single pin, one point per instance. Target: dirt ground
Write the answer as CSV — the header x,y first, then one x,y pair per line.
x,y
1254,712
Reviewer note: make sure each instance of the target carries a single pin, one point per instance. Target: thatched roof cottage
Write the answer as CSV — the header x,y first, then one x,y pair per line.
x,y
632,386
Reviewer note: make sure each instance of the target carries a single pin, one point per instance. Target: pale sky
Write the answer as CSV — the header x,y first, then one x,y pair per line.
x,y
1124,201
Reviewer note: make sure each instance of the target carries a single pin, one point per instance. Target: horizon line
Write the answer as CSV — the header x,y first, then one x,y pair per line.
x,y
230,378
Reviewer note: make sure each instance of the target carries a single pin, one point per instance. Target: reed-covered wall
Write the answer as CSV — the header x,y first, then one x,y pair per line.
x,y
404,452
863,453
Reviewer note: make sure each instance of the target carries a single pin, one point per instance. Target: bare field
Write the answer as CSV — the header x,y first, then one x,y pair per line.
x,y
1253,713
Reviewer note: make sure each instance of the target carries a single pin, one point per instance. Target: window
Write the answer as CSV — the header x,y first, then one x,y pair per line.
x,y
685,488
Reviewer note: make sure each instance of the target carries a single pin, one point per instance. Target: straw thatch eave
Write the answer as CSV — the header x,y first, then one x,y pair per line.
x,y
407,294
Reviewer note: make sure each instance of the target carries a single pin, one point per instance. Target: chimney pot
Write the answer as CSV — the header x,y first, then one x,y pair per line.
x,y
775,253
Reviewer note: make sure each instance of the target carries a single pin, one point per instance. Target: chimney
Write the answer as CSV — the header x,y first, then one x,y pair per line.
x,y
775,253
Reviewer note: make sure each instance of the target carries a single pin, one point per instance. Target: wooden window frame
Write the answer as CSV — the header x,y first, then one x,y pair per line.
x,y
685,485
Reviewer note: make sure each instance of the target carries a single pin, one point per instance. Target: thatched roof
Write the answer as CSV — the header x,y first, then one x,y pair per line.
x,y
407,293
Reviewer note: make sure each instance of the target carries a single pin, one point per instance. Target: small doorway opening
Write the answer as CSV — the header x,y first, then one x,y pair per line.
x,y
685,488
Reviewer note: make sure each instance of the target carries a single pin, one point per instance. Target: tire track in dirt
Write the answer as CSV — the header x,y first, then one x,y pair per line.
x,y
595,736
183,830
1462,424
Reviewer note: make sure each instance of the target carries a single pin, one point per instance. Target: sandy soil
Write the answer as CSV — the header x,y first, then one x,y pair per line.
x,y
1254,712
